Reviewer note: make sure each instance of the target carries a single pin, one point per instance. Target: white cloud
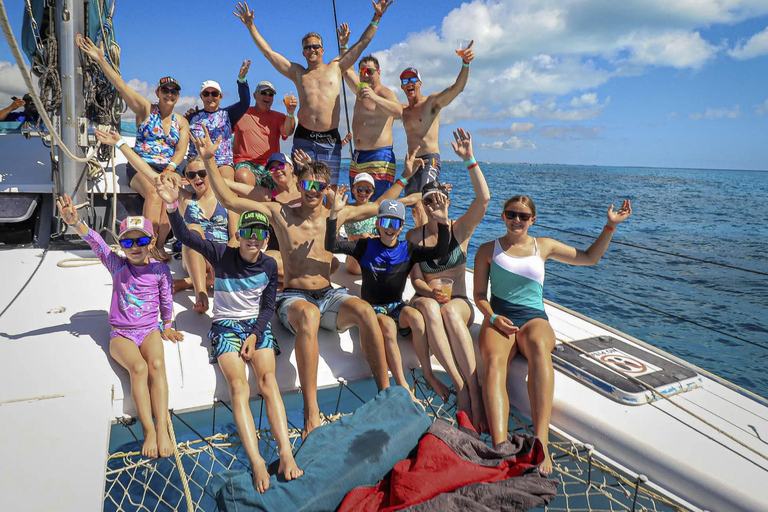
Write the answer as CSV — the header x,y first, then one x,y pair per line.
x,y
572,132
512,144
673,49
762,108
755,46
507,131
717,113
549,109
11,83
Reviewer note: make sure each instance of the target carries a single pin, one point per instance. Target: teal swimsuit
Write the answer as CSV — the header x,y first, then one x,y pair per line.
x,y
517,285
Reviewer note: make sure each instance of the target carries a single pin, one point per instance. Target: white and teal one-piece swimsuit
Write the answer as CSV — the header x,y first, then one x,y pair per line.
x,y
517,285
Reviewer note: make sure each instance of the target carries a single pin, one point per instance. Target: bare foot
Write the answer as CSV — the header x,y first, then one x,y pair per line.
x,y
288,467
164,444
311,422
158,253
149,449
437,385
179,285
462,399
479,420
260,477
201,306
546,465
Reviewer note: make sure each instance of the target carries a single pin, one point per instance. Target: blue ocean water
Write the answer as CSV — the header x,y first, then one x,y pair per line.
x,y
713,215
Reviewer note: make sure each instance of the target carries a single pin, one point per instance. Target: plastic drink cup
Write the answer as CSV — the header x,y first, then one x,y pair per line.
x,y
444,286
461,46
360,86
288,97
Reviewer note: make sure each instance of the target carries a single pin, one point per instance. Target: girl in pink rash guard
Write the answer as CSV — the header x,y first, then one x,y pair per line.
x,y
142,288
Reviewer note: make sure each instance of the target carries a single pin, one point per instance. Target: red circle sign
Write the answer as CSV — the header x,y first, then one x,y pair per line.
x,y
624,363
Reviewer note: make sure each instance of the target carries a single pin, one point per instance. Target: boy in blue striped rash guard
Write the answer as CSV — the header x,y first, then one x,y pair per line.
x,y
245,288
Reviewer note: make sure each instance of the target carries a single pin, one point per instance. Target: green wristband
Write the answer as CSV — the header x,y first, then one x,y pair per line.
x,y
470,161
493,318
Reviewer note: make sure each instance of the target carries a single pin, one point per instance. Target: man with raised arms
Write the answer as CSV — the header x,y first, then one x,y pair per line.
x,y
421,120
318,85
308,301
376,108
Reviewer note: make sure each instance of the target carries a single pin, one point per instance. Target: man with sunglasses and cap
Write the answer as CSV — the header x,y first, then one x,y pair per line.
x,y
421,120
257,136
308,301
318,86
244,302
385,263
219,121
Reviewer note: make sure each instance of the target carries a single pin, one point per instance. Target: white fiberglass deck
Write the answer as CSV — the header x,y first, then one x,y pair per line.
x,y
54,344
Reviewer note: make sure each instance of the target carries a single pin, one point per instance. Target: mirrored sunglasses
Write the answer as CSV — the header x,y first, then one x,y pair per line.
x,y
250,233
510,215
312,47
142,241
310,185
390,223
409,80
193,174
276,167
367,71
215,94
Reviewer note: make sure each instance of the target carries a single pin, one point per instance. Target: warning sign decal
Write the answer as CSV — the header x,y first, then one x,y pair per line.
x,y
623,362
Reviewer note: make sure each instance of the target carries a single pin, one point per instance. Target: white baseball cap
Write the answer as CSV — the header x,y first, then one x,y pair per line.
x,y
364,176
213,84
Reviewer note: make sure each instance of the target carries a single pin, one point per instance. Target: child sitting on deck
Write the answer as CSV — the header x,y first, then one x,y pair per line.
x,y
141,287
245,288
385,263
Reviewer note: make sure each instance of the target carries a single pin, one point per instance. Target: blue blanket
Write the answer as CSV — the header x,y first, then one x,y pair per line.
x,y
354,451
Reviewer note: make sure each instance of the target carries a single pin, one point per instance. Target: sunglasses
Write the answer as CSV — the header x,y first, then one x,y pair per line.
x,y
166,90
215,94
510,215
310,185
278,167
390,223
409,80
312,47
257,233
193,174
142,241
364,190
368,71
267,93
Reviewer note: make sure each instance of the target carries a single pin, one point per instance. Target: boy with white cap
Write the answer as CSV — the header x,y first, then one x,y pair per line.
x,y
386,263
140,288
258,134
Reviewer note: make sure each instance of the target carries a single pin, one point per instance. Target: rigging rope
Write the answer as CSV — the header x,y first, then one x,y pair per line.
x,y
343,84
661,311
667,253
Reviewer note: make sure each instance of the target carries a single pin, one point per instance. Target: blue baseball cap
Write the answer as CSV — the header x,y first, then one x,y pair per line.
x,y
280,157
392,208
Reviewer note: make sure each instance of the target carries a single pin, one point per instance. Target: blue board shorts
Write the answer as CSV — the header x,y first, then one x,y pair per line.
x,y
427,174
321,147
229,335
328,300
379,163
393,310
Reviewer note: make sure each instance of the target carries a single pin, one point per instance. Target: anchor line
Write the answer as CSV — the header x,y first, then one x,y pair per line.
x,y
660,311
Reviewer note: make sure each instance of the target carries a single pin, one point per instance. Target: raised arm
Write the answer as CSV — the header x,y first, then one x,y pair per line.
x,y
349,76
228,199
15,103
564,253
280,63
289,124
237,110
348,58
112,138
465,226
138,104
444,98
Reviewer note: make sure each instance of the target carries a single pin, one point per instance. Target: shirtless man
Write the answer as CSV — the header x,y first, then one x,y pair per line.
x,y
308,301
318,86
376,108
421,120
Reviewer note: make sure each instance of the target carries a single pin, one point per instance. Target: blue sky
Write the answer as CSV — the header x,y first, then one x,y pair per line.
x,y
636,82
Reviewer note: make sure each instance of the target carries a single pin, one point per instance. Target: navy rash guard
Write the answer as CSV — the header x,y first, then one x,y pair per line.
x,y
385,269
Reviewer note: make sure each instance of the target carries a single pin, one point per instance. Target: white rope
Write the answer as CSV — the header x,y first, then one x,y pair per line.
x,y
55,139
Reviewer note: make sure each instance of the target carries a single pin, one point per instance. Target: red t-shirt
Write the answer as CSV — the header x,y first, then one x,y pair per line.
x,y
257,136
